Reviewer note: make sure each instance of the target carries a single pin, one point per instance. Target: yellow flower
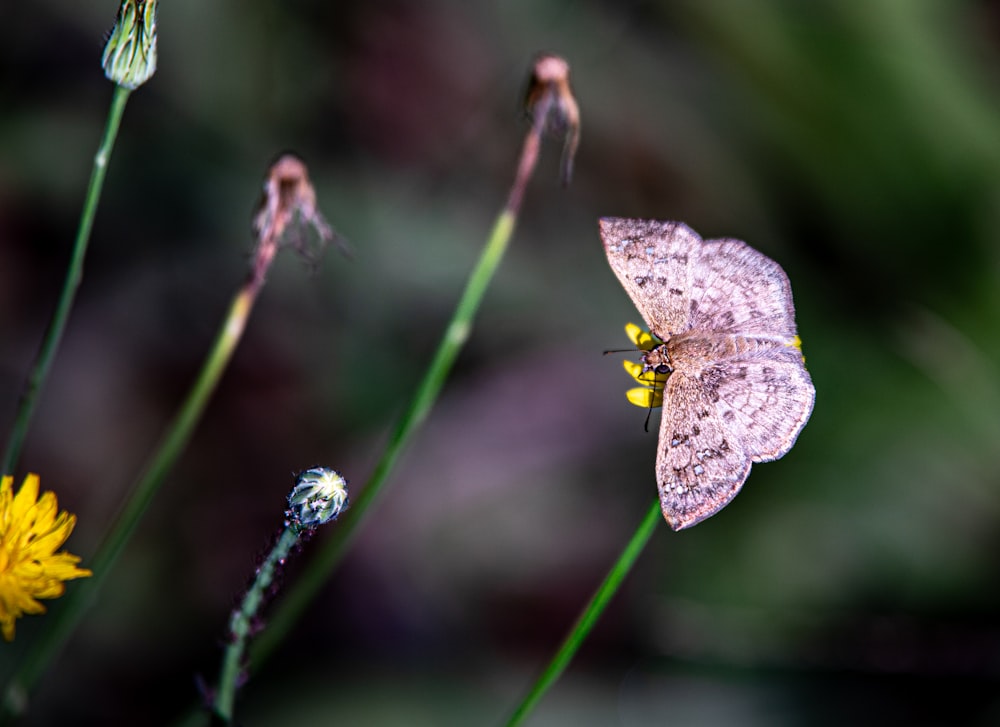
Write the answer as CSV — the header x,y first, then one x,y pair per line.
x,y
650,394
30,532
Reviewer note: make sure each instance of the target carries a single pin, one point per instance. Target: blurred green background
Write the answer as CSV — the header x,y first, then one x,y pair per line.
x,y
856,142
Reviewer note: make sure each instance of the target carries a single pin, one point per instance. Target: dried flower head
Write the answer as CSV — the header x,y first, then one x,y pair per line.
x,y
287,205
31,529
130,53
549,96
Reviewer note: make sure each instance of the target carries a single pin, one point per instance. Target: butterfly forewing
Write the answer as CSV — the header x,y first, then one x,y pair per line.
x,y
736,289
653,263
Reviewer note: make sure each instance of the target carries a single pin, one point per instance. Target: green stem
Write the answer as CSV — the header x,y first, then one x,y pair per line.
x,y
240,625
50,343
590,614
65,617
455,336
311,580
178,434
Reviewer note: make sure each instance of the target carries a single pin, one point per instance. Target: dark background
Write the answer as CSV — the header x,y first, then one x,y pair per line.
x,y
857,143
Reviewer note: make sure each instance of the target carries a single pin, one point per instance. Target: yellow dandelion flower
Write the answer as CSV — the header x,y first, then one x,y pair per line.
x,y
650,394
30,531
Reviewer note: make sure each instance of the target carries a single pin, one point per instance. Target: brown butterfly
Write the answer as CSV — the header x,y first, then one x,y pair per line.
x,y
738,391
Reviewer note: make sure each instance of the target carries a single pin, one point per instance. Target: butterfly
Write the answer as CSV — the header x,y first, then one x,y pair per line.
x,y
737,390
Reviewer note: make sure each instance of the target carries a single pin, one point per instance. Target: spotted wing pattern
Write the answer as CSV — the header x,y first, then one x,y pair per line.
x,y
718,421
653,263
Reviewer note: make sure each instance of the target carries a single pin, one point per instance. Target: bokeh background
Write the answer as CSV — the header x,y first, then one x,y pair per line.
x,y
856,142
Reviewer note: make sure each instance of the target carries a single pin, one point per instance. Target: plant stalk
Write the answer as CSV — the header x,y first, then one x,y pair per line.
x,y
585,623
42,364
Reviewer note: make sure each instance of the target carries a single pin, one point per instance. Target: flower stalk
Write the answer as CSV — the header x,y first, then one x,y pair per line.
x,y
552,109
39,372
179,432
591,613
129,60
647,396
319,496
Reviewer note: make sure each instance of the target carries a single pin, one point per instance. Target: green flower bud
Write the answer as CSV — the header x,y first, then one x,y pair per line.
x,y
319,495
130,54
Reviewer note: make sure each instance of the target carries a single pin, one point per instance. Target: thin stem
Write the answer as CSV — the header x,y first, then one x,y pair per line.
x,y
50,343
581,629
455,336
178,434
241,623
64,619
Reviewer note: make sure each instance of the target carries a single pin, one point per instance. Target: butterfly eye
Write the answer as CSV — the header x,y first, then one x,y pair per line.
x,y
662,369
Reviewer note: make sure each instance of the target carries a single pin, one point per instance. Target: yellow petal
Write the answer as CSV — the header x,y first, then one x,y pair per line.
x,y
31,530
797,343
633,369
6,499
643,340
644,397
633,332
25,498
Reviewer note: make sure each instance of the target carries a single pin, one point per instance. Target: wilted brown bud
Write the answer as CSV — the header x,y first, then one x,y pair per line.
x,y
550,100
287,205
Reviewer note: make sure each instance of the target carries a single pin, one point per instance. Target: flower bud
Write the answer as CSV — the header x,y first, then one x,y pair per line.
x,y
319,495
130,54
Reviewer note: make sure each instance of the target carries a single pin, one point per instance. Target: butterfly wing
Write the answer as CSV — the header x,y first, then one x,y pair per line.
x,y
698,469
718,420
653,261
735,289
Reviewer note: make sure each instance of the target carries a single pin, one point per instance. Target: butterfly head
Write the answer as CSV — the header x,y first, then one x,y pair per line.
x,y
657,360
